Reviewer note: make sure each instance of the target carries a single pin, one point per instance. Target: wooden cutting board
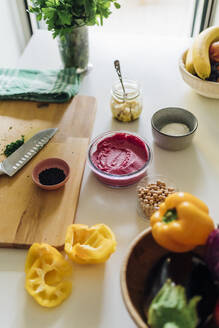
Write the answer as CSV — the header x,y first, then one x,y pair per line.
x,y
28,213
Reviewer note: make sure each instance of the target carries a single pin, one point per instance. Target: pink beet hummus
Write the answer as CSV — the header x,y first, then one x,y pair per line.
x,y
120,154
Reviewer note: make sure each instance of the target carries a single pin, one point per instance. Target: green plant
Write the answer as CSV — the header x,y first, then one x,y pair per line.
x,y
62,15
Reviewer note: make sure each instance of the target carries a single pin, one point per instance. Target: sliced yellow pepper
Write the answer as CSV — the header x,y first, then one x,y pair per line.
x,y
89,245
37,250
181,223
47,273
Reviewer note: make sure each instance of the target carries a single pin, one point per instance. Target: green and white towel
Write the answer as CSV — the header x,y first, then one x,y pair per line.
x,y
37,85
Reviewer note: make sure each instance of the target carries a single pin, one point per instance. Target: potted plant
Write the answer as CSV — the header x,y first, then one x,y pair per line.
x,y
68,20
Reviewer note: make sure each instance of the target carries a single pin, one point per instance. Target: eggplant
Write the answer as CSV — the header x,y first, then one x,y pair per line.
x,y
190,271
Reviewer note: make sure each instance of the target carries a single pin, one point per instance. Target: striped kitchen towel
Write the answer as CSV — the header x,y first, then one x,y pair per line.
x,y
37,85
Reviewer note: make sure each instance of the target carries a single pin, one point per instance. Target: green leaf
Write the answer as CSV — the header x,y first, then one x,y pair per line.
x,y
52,3
117,5
39,17
65,19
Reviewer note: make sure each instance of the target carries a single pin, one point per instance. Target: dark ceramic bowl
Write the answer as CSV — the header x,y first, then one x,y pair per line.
x,y
48,164
173,115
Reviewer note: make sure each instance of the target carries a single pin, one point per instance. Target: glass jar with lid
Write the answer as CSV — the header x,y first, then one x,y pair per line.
x,y
126,107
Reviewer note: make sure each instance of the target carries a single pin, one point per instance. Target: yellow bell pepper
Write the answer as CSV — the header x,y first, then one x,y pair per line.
x,y
89,245
181,223
46,275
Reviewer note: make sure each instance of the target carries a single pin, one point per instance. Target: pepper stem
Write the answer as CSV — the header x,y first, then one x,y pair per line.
x,y
170,215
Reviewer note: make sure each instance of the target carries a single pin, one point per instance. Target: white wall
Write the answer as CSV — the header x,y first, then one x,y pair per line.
x,y
151,17
14,31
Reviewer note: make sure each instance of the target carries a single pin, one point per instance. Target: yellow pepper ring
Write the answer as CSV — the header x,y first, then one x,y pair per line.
x,y
46,275
36,251
46,284
89,245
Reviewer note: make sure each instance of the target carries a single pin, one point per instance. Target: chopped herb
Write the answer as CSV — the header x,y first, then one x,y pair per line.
x,y
10,148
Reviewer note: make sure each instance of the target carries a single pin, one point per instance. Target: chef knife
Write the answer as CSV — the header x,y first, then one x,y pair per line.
x,y
23,154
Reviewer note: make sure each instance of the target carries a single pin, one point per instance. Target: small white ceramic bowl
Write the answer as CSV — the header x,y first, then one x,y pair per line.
x,y
173,115
205,88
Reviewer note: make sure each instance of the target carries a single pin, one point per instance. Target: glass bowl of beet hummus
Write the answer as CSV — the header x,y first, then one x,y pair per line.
x,y
119,158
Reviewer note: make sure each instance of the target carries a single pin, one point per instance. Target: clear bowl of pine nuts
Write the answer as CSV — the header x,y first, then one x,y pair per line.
x,y
151,192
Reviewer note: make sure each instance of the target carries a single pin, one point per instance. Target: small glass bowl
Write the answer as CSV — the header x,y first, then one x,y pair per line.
x,y
144,182
114,180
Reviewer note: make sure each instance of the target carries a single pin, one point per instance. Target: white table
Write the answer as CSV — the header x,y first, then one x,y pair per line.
x,y
96,300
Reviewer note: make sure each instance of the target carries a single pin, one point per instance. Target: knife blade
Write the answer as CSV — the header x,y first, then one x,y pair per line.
x,y
28,150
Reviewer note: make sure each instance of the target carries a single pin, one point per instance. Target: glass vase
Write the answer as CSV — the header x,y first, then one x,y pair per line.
x,y
74,50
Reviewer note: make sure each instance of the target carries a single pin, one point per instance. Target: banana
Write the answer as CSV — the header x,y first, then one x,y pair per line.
x,y
200,51
189,62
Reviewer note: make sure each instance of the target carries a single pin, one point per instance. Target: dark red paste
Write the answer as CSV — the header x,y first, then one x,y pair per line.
x,y
51,176
120,154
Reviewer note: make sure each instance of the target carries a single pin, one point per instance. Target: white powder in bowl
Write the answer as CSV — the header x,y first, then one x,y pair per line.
x,y
175,129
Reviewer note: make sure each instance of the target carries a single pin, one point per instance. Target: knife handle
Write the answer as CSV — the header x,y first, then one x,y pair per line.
x,y
1,169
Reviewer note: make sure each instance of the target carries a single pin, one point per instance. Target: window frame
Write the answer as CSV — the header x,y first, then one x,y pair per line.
x,y
204,12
